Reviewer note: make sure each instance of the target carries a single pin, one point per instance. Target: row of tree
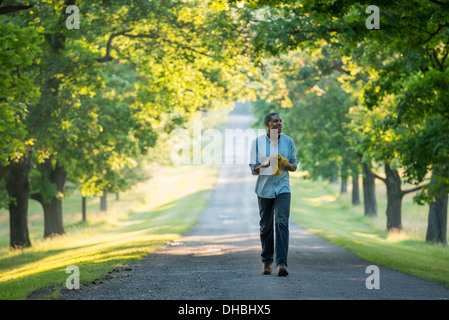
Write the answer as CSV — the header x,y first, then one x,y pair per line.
x,y
358,97
83,104
80,103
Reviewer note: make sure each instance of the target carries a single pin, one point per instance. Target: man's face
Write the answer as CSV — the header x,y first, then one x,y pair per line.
x,y
275,123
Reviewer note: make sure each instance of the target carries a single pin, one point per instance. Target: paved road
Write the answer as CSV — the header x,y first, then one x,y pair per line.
x,y
219,259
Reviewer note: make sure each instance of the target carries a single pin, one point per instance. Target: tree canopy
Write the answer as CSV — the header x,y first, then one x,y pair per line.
x,y
396,74
82,100
86,85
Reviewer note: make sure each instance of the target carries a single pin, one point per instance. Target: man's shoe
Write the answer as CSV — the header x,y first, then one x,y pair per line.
x,y
282,270
266,268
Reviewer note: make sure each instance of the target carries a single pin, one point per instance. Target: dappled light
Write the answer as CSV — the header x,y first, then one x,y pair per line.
x,y
323,200
218,138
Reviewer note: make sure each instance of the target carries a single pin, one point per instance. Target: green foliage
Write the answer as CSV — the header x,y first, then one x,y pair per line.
x,y
42,185
306,92
4,197
398,71
18,54
90,99
105,85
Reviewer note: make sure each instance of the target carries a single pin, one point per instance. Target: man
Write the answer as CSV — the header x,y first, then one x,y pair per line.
x,y
273,155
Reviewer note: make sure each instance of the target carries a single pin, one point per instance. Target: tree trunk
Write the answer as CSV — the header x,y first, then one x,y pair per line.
x,y
333,172
369,192
333,179
344,180
437,222
394,199
53,209
53,222
3,172
49,101
117,197
355,190
103,201
19,187
83,208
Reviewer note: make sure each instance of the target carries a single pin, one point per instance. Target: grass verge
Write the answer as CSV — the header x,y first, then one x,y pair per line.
x,y
156,211
319,207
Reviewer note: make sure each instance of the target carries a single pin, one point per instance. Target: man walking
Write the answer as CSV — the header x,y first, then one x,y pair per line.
x,y
272,156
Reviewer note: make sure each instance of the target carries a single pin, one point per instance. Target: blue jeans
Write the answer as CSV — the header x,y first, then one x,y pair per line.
x,y
275,210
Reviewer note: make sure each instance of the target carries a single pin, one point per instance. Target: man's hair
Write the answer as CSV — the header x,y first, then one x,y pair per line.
x,y
269,116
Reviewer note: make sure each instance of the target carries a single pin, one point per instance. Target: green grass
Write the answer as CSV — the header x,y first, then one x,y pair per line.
x,y
156,211
319,207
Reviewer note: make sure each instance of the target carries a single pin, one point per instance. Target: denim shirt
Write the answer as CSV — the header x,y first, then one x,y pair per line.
x,y
268,186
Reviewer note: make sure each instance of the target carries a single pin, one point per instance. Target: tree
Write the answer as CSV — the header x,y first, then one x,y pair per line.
x,y
304,86
62,77
378,141
17,93
394,54
181,56
426,148
19,187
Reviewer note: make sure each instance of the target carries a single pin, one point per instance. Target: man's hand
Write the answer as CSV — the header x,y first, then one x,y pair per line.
x,y
285,164
261,166
271,161
282,161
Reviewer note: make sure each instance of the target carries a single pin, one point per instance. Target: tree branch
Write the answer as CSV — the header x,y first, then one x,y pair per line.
x,y
339,68
435,57
371,172
433,34
37,197
437,2
152,35
379,177
411,190
445,55
9,9
107,57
